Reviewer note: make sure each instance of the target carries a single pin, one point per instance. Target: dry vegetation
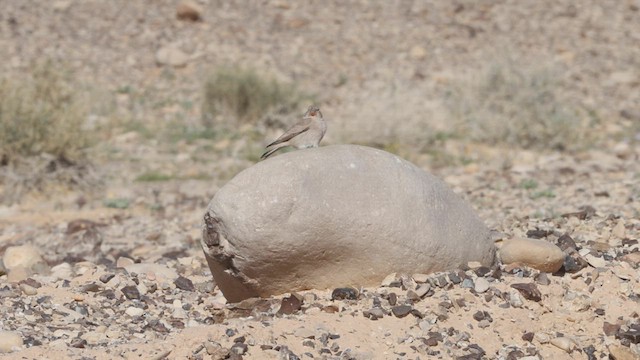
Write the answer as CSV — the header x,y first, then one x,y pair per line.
x,y
512,104
245,95
42,114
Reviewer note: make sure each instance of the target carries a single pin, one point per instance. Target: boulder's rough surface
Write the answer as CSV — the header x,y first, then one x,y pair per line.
x,y
334,216
538,254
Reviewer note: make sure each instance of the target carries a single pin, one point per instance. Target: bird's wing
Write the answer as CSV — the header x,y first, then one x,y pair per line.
x,y
295,130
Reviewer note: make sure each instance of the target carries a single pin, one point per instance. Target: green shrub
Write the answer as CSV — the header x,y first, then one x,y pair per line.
x,y
41,114
514,105
246,95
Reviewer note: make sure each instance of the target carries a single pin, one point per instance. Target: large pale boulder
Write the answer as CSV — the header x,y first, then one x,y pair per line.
x,y
334,216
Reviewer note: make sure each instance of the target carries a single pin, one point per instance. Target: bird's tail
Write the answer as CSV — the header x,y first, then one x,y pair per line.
x,y
271,151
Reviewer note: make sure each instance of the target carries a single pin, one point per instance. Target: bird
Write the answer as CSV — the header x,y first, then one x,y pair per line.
x,y
307,133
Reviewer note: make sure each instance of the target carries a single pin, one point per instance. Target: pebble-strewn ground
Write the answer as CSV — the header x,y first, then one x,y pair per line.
x,y
117,272
135,284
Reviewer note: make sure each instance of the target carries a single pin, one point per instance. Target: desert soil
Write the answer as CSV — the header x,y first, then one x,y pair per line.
x,y
379,70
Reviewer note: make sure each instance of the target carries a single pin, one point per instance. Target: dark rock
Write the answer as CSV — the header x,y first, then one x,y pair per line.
x,y
330,309
78,343
454,278
528,290
417,313
431,341
106,277
528,336
344,294
600,312
633,334
441,281
240,339
290,305
131,292
91,287
309,343
591,352
610,329
566,243
574,263
538,234
515,354
185,284
393,299
239,348
482,271
231,332
482,315
401,310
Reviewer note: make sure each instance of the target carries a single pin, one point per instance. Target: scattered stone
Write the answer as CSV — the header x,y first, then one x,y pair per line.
x,y
632,334
374,313
188,10
596,262
344,294
10,341
134,311
106,277
393,299
239,348
28,289
599,312
542,279
482,324
574,263
481,285
566,243
515,299
632,258
90,287
467,284
290,305
538,254
131,292
216,350
538,234
23,256
482,315
528,290
455,279
419,278
618,352
123,262
610,329
563,343
401,310
185,284
528,336
619,230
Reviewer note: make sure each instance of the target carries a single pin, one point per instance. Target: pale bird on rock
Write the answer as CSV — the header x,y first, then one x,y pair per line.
x,y
307,133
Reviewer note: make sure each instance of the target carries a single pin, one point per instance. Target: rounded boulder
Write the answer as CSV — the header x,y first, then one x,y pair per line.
x,y
342,215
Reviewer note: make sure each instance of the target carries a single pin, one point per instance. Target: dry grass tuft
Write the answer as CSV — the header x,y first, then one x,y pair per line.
x,y
42,135
246,95
518,106
41,114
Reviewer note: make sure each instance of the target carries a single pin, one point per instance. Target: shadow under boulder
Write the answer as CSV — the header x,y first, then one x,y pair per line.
x,y
333,216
